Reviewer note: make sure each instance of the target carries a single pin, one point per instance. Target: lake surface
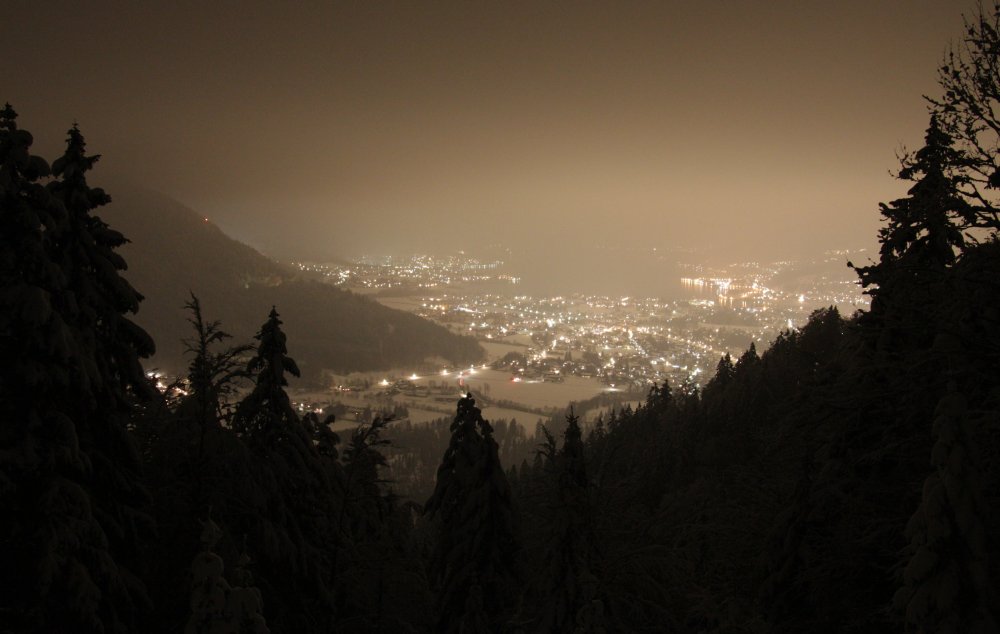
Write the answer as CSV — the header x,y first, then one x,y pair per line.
x,y
598,271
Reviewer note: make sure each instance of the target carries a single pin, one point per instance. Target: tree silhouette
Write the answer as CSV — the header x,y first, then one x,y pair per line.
x,y
568,583
266,412
70,471
211,374
922,232
474,564
290,504
969,111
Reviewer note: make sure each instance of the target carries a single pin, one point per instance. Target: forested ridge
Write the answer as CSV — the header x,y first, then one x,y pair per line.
x,y
173,251
845,479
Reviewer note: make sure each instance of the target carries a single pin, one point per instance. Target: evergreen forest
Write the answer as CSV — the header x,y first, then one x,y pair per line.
x,y
844,479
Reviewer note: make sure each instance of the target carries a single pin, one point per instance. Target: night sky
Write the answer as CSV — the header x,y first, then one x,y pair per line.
x,y
751,129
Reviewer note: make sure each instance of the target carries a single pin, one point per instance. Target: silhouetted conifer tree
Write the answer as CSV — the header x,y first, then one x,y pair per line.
x,y
69,481
87,253
292,526
474,564
748,359
659,397
103,299
921,234
567,576
211,373
724,371
195,462
267,411
970,79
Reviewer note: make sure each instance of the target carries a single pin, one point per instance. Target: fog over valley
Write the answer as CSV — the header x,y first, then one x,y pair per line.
x,y
762,130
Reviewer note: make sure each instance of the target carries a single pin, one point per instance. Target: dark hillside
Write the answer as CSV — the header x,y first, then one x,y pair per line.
x,y
174,250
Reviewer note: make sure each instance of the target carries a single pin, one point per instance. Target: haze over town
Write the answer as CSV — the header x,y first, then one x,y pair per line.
x,y
749,130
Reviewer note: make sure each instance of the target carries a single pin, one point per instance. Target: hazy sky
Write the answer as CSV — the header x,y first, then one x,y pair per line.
x,y
756,128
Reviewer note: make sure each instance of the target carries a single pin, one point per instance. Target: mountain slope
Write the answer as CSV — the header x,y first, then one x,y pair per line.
x,y
173,251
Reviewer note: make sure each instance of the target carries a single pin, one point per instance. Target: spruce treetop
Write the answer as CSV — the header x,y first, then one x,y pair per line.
x,y
74,162
922,233
268,407
7,117
272,360
86,249
924,226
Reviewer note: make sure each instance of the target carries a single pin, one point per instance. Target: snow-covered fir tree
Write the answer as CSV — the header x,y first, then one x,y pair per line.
x,y
476,549
69,472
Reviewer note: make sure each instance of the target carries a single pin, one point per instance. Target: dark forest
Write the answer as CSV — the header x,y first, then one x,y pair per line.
x,y
844,479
